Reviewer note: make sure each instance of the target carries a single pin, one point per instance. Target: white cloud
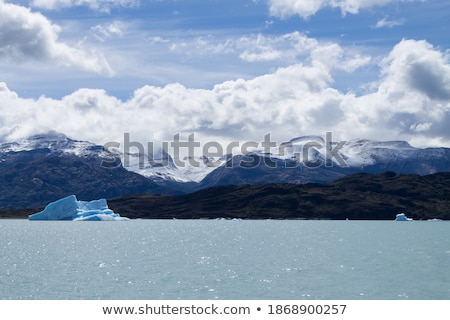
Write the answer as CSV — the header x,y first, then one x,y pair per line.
x,y
288,8
355,62
416,66
421,126
292,101
98,5
157,40
266,54
307,8
287,47
413,94
104,32
282,50
259,48
27,35
385,23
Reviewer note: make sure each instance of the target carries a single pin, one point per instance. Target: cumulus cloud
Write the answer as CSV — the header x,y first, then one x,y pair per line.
x,y
291,101
98,5
287,8
27,35
413,94
416,66
307,8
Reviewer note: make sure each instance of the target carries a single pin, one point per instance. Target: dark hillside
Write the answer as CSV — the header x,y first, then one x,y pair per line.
x,y
358,196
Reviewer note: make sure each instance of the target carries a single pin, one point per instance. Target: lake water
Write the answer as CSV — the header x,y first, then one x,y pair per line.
x,y
209,259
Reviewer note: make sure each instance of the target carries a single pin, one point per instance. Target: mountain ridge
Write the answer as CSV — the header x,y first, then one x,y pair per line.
x,y
46,167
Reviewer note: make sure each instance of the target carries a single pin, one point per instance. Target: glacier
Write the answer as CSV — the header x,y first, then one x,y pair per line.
x,y
69,208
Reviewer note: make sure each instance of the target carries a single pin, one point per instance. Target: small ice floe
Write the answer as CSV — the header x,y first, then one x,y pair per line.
x,y
434,220
402,217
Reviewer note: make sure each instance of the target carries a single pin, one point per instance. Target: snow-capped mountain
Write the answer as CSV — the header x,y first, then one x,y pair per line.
x,y
46,167
311,160
398,156
357,153
53,142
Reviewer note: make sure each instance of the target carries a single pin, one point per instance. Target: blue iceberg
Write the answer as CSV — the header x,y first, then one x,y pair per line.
x,y
402,217
69,208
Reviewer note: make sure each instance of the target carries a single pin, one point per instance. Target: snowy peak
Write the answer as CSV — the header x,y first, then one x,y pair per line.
x,y
364,144
164,168
363,152
52,141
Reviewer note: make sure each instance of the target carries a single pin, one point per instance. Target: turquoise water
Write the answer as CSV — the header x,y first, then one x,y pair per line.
x,y
199,259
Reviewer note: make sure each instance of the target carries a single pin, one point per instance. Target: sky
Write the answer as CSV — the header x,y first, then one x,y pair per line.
x,y
226,70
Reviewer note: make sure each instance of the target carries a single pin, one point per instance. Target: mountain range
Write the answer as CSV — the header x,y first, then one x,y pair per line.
x,y
46,167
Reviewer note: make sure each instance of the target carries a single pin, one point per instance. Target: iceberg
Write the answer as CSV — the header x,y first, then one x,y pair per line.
x,y
69,208
402,217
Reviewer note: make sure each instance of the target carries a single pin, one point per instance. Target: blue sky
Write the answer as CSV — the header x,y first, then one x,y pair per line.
x,y
226,70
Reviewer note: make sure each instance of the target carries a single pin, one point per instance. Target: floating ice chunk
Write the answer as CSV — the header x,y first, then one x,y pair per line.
x,y
402,217
69,208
